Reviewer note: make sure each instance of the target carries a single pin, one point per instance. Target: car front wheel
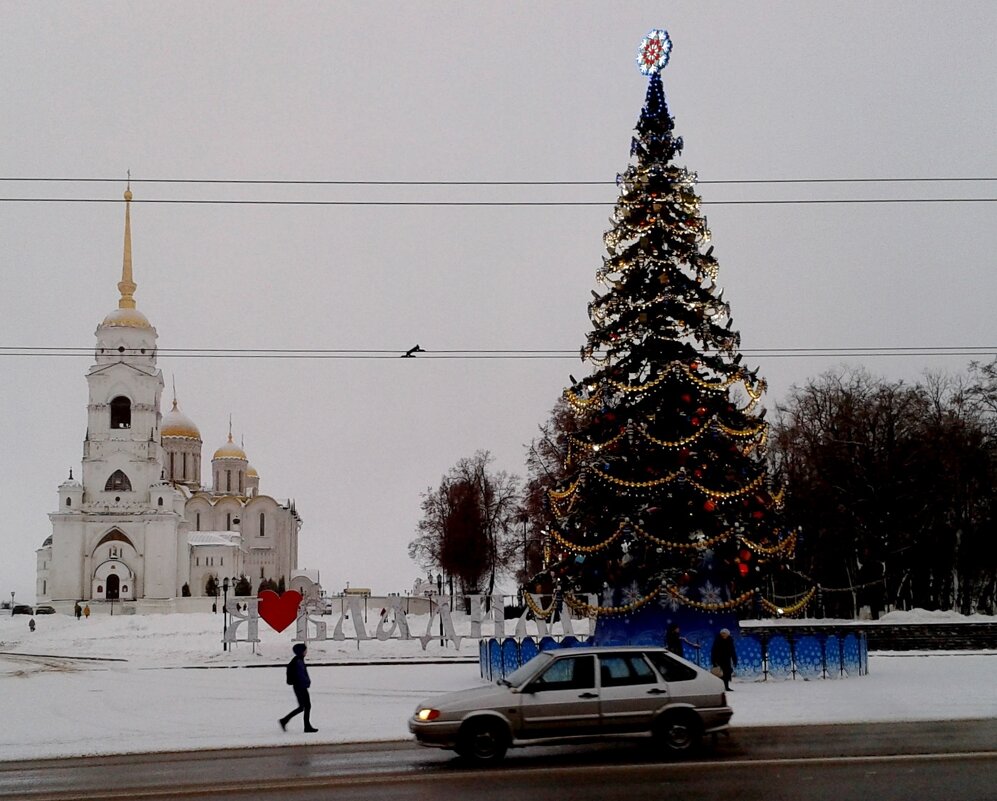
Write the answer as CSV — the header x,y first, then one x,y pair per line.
x,y
678,732
483,741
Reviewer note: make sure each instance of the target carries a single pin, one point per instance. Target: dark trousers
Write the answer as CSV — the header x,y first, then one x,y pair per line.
x,y
304,705
728,675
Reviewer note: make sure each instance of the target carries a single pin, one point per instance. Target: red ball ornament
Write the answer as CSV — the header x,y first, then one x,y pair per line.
x,y
697,473
758,515
701,411
687,398
709,506
745,555
693,365
742,569
695,421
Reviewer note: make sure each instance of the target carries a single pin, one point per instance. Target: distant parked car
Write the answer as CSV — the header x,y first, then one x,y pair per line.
x,y
21,609
44,609
579,693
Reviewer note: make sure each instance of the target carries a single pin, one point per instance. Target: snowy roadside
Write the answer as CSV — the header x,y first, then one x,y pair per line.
x,y
54,706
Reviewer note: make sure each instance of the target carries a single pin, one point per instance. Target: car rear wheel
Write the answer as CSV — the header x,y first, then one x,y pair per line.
x,y
483,741
679,732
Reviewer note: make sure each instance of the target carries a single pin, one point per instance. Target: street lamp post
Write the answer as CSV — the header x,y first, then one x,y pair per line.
x,y
439,595
224,612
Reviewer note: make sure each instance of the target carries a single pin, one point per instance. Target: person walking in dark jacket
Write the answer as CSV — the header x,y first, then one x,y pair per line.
x,y
724,656
297,677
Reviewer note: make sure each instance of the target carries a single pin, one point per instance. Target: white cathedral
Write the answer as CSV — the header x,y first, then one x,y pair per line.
x,y
139,527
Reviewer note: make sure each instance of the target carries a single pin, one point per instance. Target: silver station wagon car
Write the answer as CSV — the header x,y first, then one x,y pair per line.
x,y
579,693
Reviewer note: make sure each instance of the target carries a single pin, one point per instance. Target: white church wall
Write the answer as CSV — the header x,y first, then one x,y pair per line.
x,y
160,558
66,567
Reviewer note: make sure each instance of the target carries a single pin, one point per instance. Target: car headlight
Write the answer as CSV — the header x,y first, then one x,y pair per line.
x,y
427,714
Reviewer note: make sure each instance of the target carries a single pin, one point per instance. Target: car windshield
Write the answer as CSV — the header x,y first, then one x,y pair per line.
x,y
524,672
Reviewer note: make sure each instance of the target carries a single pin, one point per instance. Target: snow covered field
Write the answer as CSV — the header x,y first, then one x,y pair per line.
x,y
145,683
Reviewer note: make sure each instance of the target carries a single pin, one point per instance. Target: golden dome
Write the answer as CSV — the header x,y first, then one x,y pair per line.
x,y
230,451
126,318
251,472
177,424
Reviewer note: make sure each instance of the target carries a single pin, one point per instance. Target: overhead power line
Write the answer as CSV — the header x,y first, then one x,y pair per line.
x,y
330,353
231,202
291,182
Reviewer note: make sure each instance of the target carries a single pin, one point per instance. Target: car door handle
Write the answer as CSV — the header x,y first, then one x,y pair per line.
x,y
657,691
589,695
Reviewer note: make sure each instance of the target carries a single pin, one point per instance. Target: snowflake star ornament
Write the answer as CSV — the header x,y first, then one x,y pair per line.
x,y
652,55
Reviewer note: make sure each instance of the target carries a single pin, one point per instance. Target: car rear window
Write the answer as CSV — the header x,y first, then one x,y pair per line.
x,y
617,670
671,669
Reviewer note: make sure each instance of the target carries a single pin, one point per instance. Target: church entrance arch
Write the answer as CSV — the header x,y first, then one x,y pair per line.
x,y
113,580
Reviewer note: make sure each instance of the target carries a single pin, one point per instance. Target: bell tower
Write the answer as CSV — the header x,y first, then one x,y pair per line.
x,y
121,453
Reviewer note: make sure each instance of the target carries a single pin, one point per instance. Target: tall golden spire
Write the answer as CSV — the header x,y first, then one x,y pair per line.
x,y
126,286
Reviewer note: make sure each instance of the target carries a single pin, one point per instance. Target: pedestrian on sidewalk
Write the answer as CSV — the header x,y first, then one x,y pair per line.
x,y
297,677
724,656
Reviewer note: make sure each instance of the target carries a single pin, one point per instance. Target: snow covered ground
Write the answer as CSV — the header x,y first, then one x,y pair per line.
x,y
159,682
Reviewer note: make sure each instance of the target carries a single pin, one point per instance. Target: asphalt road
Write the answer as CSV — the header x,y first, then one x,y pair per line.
x,y
951,760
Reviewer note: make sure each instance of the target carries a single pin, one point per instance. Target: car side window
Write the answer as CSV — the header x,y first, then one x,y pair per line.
x,y
572,673
671,669
624,669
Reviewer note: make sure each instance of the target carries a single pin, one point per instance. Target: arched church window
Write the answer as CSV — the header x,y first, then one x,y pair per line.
x,y
197,521
263,524
114,536
69,501
121,412
118,481
228,521
159,501
228,480
173,471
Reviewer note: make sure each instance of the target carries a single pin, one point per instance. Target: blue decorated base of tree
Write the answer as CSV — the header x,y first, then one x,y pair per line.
x,y
649,626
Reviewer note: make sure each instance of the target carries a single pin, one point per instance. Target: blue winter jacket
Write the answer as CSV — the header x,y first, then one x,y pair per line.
x,y
300,673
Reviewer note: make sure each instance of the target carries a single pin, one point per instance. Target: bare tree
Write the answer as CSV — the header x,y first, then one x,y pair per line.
x,y
468,524
546,460
893,484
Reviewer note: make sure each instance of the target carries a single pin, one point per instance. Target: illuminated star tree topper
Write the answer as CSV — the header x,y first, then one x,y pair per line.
x,y
652,55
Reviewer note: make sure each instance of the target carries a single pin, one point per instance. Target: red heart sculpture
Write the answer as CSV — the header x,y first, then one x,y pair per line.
x,y
279,611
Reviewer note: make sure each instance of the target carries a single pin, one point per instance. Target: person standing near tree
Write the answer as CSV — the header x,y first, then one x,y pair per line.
x,y
724,656
674,640
297,677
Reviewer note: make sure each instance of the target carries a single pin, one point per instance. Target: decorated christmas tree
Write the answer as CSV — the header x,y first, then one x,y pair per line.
x,y
667,511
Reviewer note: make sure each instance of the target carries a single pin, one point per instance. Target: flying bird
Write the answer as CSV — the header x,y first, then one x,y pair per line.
x,y
410,353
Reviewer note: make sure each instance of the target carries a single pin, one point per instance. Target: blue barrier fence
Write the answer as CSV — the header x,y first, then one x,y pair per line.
x,y
760,656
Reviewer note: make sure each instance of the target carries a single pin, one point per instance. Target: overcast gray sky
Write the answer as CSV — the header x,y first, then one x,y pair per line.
x,y
454,91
